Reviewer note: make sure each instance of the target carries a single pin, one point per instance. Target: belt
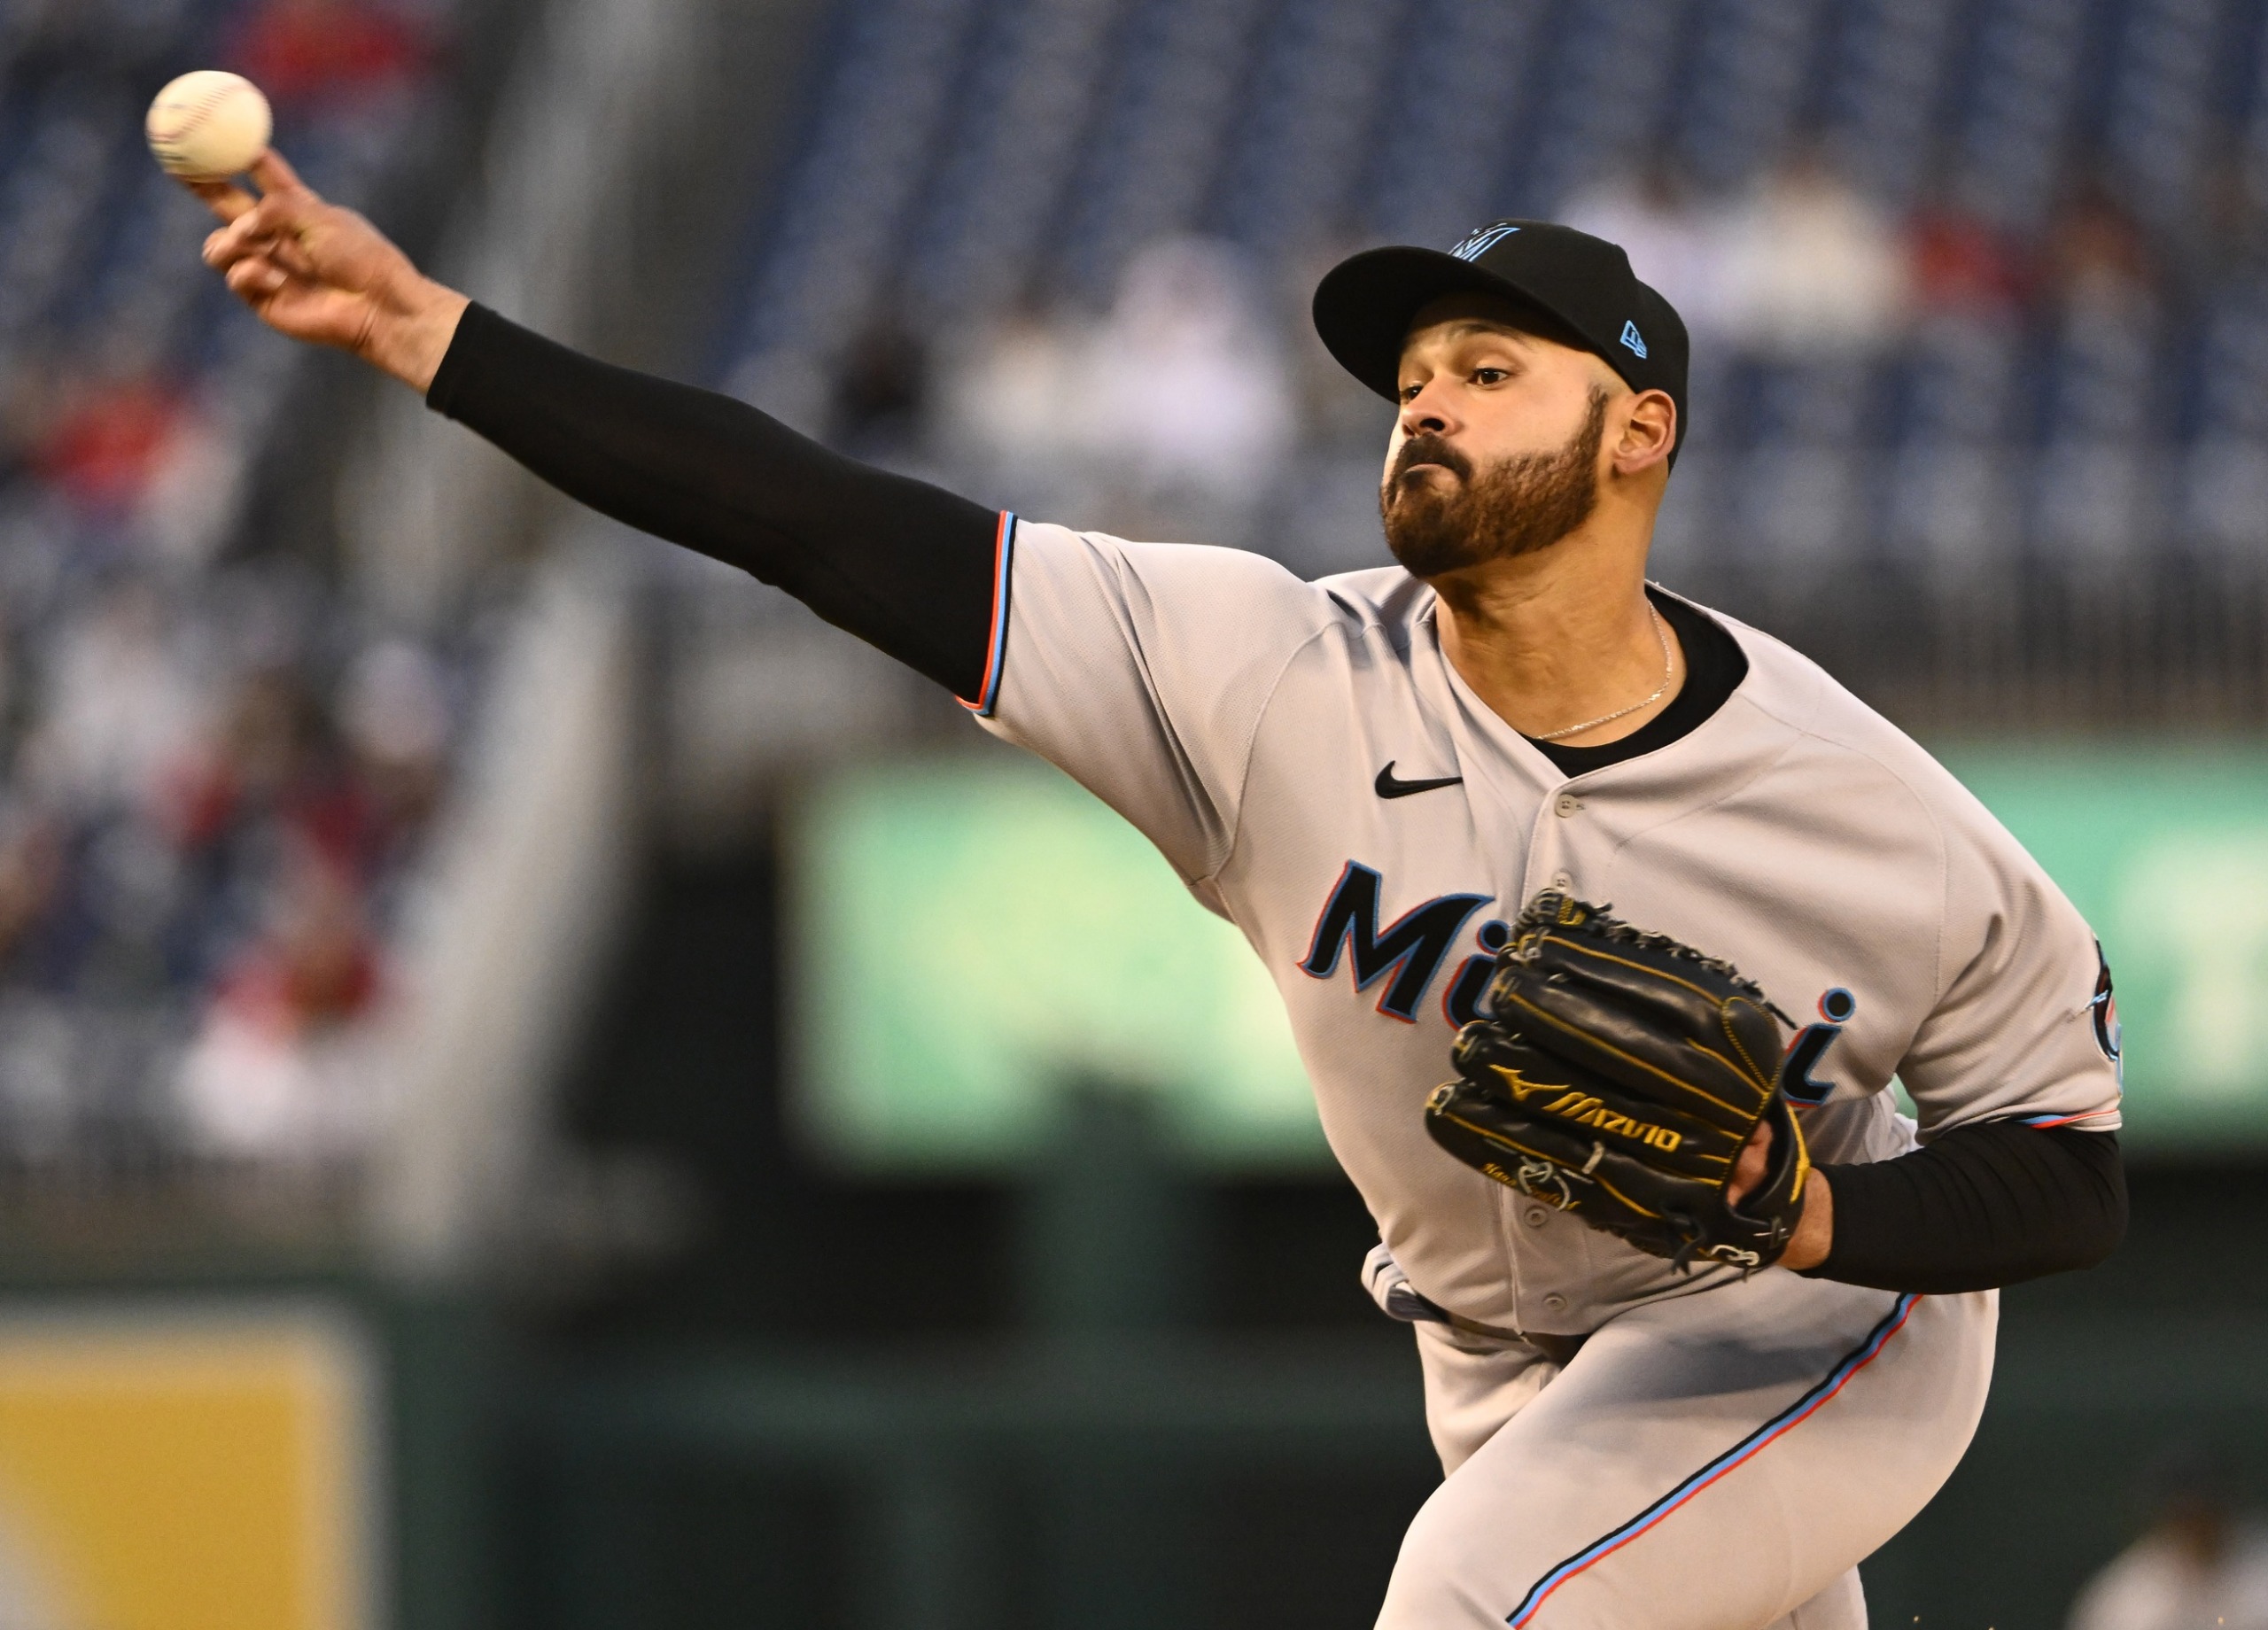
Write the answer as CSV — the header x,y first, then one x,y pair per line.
x,y
1560,1350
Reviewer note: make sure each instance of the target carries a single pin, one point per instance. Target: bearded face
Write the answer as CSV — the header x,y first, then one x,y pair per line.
x,y
1515,506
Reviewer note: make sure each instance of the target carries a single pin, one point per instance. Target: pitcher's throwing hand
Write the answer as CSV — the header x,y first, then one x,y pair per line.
x,y
320,273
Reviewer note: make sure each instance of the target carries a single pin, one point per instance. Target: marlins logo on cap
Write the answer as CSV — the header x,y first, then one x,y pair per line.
x,y
1479,242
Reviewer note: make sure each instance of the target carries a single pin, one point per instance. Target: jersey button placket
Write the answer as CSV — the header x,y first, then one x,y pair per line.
x,y
1546,844
1566,807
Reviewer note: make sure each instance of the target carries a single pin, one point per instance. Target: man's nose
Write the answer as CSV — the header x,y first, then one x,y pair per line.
x,y
1427,412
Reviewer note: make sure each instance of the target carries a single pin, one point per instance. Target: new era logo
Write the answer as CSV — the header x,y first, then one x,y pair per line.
x,y
1630,338
1481,242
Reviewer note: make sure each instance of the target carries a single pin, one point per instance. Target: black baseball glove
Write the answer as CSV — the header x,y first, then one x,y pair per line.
x,y
1617,1076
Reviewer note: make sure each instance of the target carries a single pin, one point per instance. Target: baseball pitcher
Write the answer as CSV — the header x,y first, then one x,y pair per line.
x,y
1604,921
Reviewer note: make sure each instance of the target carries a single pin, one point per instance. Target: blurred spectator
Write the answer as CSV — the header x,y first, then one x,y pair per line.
x,y
2226,239
882,389
1186,387
1009,402
2098,264
395,710
31,876
328,51
260,759
283,1067
2197,1566
1674,243
135,449
1812,268
120,705
30,391
1963,267
192,496
274,780
109,441
1171,417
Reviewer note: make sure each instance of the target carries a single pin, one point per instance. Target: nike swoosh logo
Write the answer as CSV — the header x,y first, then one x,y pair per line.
x,y
1388,787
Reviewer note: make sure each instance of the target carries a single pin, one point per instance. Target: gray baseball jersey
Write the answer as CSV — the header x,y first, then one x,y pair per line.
x,y
1307,760
1275,739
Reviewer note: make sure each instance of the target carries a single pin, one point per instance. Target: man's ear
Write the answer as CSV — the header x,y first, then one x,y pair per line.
x,y
1648,433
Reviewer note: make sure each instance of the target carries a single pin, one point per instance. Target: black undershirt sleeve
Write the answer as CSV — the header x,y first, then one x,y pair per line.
x,y
904,565
1980,1206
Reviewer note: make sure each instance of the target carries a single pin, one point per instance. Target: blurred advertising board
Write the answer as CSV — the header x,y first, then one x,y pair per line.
x,y
185,1468
970,934
2165,849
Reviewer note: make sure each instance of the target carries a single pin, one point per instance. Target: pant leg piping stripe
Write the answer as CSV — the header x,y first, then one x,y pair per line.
x,y
1747,1449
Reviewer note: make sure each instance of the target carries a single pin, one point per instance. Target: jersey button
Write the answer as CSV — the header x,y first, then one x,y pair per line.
x,y
1564,882
1535,1216
1555,1302
1567,804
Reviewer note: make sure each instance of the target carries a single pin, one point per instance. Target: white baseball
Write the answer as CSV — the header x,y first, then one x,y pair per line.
x,y
208,125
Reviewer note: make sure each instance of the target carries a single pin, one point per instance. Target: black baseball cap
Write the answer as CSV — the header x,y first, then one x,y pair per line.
x,y
1364,305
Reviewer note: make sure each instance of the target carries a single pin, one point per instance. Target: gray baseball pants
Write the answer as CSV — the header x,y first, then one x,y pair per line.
x,y
1716,1460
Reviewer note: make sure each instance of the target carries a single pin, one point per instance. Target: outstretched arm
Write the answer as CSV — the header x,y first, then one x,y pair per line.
x,y
911,568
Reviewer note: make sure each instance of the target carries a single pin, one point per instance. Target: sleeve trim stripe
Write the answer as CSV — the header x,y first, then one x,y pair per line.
x,y
1003,547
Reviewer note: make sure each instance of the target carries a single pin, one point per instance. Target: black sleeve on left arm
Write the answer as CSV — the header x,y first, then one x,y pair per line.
x,y
907,567
1980,1206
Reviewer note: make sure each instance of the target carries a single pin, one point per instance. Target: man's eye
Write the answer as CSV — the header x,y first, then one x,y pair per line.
x,y
1410,392
1490,376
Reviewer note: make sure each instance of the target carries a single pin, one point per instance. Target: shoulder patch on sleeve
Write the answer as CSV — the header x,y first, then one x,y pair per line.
x,y
2104,1008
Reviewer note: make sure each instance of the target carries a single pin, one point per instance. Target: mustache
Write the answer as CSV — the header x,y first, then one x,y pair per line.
x,y
1428,448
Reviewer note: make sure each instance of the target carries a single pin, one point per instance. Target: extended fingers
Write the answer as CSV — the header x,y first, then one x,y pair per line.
x,y
255,276
273,220
224,199
226,246
285,199
275,176
287,211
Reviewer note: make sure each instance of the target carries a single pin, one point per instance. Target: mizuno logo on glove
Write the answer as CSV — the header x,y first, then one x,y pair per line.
x,y
1581,1109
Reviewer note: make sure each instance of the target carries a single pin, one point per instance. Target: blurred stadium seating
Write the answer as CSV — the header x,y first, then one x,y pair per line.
x,y
220,767
1979,290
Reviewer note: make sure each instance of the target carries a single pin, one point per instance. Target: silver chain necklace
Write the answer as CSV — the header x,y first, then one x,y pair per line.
x,y
1660,633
